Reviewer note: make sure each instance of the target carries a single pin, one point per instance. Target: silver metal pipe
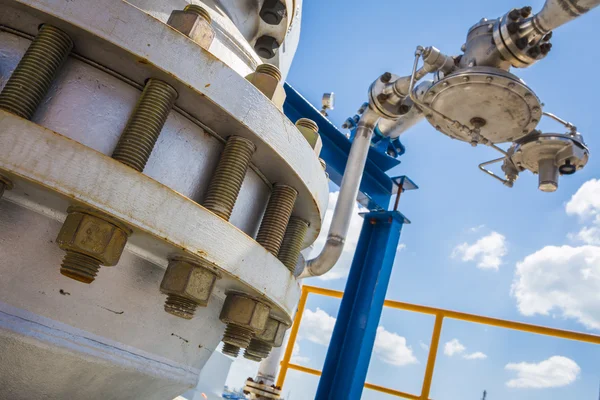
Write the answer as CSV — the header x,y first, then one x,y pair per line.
x,y
556,13
493,175
267,370
345,204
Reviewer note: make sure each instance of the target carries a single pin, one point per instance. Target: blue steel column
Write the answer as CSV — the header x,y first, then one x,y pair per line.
x,y
349,353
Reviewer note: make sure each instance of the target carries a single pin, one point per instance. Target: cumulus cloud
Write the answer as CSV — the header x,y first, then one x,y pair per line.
x,y
564,279
557,371
585,203
487,251
391,348
453,347
423,345
296,357
475,356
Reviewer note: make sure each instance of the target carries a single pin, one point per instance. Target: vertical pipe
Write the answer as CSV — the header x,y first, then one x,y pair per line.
x,y
433,349
292,340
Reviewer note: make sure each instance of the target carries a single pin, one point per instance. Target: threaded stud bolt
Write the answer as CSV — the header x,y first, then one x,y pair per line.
x,y
201,11
180,306
145,123
227,181
278,212
230,350
80,267
258,349
33,76
236,337
270,69
292,242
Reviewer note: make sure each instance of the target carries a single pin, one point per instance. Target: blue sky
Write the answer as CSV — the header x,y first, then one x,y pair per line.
x,y
474,245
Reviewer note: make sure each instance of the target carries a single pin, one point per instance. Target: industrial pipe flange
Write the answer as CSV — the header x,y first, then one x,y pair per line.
x,y
494,101
258,390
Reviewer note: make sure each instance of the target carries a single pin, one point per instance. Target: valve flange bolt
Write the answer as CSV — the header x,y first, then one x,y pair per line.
x,y
534,52
526,11
545,48
547,37
276,218
514,14
292,243
244,316
386,77
145,123
226,183
513,27
201,11
230,350
33,76
522,43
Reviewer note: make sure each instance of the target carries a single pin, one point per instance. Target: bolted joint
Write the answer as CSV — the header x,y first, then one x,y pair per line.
x,y
244,316
230,350
267,79
91,239
194,22
33,76
273,12
257,350
5,184
273,333
227,180
266,46
188,283
292,242
145,123
310,130
277,215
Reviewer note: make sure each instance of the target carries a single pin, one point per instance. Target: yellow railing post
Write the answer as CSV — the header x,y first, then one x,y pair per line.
x,y
293,335
433,349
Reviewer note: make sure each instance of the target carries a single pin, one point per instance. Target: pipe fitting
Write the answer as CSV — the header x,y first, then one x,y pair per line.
x,y
5,184
267,79
144,125
33,76
226,183
292,242
277,215
310,130
244,316
194,22
188,283
90,239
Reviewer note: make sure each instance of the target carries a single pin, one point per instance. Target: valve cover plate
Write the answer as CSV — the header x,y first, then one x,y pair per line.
x,y
508,107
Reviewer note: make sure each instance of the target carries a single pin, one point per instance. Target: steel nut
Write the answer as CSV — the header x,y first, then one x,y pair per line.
x,y
190,278
243,310
273,333
194,26
269,86
94,234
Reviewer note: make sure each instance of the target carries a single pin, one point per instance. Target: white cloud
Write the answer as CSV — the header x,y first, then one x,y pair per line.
x,y
588,235
475,356
554,372
565,279
423,345
317,326
296,357
487,251
453,347
585,202
476,228
391,348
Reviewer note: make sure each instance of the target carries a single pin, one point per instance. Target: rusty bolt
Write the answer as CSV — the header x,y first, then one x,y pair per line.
x,y
310,130
188,284
277,215
244,316
5,184
292,242
91,239
195,23
267,79
273,12
272,336
266,46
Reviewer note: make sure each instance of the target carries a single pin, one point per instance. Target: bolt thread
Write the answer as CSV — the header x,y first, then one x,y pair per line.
x,y
180,306
33,76
144,125
237,335
308,123
292,242
196,9
269,69
278,212
258,349
80,267
227,181
230,350
251,357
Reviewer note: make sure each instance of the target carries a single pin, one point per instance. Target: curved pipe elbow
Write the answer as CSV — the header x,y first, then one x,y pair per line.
x,y
328,257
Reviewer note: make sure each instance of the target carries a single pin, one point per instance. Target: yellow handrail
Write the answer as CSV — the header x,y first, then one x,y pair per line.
x,y
439,314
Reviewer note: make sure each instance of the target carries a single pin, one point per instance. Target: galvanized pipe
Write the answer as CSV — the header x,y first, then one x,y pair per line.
x,y
227,180
346,200
145,123
33,76
556,13
277,215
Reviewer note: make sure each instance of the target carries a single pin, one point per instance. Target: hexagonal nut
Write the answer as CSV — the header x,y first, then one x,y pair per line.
x,y
92,233
194,26
273,12
246,311
191,278
269,86
274,332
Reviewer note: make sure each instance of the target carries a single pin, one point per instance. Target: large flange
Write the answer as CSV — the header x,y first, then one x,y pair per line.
x,y
492,100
